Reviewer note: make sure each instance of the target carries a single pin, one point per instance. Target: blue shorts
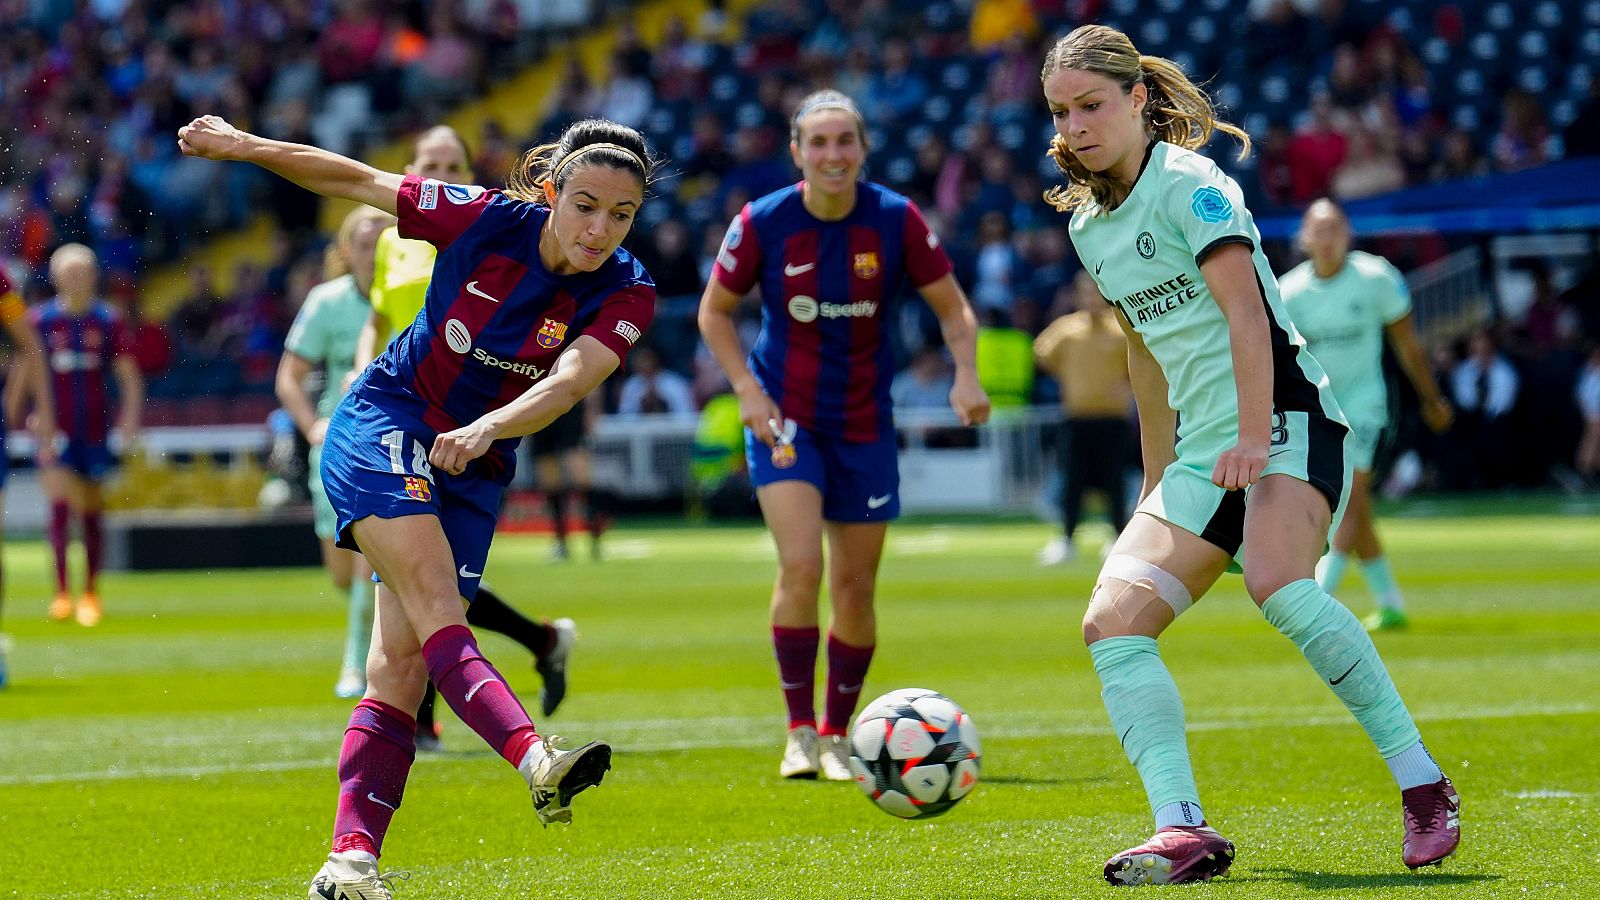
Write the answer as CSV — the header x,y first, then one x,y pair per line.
x,y
858,482
90,459
375,463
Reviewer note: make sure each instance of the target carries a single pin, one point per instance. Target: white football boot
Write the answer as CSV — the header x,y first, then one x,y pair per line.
x,y
556,776
352,876
835,758
800,753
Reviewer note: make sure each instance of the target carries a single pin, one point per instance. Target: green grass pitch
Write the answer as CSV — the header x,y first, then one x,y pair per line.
x,y
185,748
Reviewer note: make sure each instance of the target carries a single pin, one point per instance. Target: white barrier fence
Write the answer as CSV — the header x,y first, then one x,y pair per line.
x,y
943,468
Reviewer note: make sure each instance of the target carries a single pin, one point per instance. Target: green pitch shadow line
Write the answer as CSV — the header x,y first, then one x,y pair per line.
x,y
1325,881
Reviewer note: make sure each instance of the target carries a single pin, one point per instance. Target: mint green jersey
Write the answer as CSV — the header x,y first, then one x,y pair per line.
x,y
1342,320
1145,255
325,332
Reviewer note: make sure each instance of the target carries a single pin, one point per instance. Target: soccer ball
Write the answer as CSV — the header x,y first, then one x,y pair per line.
x,y
914,753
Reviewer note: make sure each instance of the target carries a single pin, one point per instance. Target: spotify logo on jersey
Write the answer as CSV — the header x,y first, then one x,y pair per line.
x,y
803,308
457,336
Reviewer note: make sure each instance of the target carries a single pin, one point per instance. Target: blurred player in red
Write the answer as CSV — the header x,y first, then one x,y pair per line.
x,y
26,376
830,255
86,345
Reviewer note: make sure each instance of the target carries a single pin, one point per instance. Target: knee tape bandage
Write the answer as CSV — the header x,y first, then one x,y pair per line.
x,y
1147,583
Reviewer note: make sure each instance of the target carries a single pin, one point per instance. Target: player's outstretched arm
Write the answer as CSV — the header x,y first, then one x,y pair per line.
x,y
1402,335
289,385
368,343
315,169
1158,424
960,329
756,409
576,374
130,387
1230,274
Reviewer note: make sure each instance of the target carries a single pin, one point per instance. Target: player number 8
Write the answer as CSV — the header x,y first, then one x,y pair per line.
x,y
1280,430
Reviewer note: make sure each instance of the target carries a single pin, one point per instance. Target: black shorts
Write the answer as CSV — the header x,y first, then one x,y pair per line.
x,y
565,433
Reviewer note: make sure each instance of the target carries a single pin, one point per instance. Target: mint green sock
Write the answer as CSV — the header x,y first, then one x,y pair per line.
x,y
1147,715
1339,649
358,624
1380,579
1330,570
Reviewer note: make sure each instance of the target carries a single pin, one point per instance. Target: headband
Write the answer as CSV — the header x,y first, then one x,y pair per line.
x,y
556,172
827,102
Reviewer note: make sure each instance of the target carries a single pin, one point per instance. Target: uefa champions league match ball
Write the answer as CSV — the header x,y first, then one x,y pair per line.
x,y
914,753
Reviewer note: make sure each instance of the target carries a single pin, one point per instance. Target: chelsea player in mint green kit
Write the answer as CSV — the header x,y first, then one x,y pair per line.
x,y
324,334
1259,470
1345,303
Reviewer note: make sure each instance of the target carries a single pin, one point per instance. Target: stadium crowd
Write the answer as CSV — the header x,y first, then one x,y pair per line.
x,y
1345,97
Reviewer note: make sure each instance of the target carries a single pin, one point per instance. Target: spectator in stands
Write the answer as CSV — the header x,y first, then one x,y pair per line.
x,y
679,67
925,383
1522,141
896,91
653,390
1087,354
1316,151
628,95
1458,157
1485,387
1370,168
671,260
997,265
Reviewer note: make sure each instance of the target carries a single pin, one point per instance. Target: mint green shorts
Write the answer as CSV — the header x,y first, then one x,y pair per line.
x,y
1306,446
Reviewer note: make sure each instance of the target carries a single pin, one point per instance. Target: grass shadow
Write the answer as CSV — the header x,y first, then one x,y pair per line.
x,y
1341,881
1045,779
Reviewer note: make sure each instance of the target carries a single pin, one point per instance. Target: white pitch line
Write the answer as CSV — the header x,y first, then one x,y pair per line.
x,y
754,739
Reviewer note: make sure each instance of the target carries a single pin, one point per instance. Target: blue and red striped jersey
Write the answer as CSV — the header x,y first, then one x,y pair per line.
x,y
495,318
826,287
79,352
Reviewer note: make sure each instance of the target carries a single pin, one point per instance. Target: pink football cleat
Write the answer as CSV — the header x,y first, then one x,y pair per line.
x,y
1433,823
1172,856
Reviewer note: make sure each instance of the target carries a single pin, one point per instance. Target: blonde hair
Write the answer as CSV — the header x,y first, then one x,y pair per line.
x,y
71,252
1177,110
334,263
589,142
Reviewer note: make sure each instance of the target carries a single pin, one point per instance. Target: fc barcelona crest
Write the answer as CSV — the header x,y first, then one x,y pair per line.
x,y
417,488
552,334
866,265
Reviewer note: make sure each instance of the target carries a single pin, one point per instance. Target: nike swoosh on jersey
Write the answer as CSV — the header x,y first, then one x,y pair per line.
x,y
792,271
1098,265
472,288
464,572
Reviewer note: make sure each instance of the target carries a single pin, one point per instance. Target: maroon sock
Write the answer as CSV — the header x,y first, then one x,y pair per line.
x,y
91,548
59,522
847,670
796,649
477,693
379,745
